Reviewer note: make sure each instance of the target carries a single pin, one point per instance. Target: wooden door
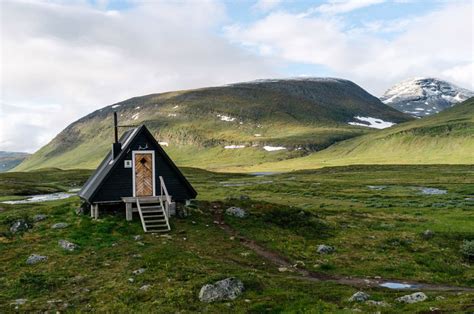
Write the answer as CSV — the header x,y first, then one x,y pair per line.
x,y
143,174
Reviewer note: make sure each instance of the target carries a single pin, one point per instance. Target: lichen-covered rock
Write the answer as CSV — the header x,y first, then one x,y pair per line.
x,y
60,225
236,212
19,226
39,217
226,289
68,246
412,298
34,258
359,296
325,249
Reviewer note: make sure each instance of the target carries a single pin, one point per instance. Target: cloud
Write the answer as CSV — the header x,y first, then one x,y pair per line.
x,y
342,6
266,5
437,44
84,57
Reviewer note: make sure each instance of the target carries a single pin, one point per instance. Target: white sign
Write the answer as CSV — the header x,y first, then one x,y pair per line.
x,y
128,164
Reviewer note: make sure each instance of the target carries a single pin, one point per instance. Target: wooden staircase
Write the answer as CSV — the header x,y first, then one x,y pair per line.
x,y
153,215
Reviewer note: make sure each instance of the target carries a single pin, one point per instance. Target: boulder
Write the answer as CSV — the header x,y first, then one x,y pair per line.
x,y
236,212
359,296
19,226
39,217
34,258
412,298
226,289
428,234
68,246
325,249
60,225
138,271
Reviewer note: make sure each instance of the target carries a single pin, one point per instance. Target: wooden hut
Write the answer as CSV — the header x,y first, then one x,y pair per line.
x,y
139,174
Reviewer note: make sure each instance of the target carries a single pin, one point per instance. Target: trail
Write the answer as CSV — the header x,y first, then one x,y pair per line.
x,y
282,261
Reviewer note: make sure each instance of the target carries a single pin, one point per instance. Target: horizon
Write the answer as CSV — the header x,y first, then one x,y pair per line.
x,y
63,61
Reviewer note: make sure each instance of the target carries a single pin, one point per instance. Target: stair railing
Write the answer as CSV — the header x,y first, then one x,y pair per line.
x,y
167,203
141,215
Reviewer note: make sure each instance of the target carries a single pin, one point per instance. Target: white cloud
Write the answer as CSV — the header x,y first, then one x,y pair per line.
x,y
266,5
83,58
341,6
438,44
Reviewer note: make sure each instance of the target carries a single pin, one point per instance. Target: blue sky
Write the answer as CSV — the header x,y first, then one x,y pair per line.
x,y
63,59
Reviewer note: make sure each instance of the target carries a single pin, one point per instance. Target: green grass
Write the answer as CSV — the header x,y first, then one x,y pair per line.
x,y
375,232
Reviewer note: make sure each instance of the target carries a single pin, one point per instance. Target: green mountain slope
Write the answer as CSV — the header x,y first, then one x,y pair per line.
x,y
301,115
9,160
445,138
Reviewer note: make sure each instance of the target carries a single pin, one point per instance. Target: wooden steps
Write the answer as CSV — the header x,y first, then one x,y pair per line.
x,y
153,216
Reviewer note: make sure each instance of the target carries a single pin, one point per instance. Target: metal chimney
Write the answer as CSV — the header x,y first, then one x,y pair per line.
x,y
116,146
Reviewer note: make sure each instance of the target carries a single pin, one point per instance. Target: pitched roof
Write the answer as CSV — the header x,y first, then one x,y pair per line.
x,y
105,166
93,184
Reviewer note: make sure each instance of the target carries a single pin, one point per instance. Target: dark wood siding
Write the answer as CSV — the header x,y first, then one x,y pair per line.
x,y
119,182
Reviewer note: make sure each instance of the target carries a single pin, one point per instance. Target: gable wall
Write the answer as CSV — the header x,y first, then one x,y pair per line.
x,y
119,182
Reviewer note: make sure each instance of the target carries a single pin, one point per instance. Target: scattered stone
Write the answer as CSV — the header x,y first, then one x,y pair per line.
x,y
282,269
412,298
137,237
167,236
245,254
440,297
114,244
39,217
145,287
181,211
226,289
359,296
34,258
434,309
299,264
469,199
428,234
137,256
325,249
138,271
377,303
432,191
244,197
19,302
19,225
68,246
377,187
60,225
140,243
236,212
131,279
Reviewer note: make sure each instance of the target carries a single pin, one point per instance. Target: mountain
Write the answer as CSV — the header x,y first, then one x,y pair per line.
x,y
9,160
422,97
444,138
227,126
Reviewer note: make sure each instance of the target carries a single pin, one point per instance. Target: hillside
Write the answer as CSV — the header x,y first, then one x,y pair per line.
x,y
445,138
228,126
9,160
421,97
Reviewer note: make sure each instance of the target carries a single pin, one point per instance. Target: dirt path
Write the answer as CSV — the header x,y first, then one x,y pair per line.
x,y
282,261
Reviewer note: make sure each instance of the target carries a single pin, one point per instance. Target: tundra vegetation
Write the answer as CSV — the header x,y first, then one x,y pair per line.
x,y
375,217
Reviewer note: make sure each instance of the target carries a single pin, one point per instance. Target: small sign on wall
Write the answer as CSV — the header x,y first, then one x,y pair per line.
x,y
127,164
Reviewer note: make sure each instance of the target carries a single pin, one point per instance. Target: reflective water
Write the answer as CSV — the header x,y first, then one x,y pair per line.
x,y
42,198
396,285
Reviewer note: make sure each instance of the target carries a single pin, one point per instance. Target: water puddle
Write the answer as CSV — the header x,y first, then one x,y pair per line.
x,y
41,198
431,191
397,285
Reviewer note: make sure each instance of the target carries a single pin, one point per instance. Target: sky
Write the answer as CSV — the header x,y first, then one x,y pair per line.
x,y
61,60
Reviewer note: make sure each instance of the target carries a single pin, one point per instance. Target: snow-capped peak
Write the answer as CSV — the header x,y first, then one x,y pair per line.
x,y
423,96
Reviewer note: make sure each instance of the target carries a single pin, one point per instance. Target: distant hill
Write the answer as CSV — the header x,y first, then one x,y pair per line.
x,y
234,125
421,97
444,138
9,160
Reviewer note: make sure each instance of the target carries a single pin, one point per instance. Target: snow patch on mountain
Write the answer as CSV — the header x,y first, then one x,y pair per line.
x,y
372,122
420,97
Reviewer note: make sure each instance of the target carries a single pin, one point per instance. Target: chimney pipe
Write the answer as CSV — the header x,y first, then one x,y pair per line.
x,y
116,146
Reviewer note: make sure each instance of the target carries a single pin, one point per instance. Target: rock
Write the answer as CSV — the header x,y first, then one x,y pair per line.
x,y
39,217
131,279
68,246
137,237
236,212
137,256
377,303
282,269
19,225
20,301
244,197
34,258
359,296
412,298
428,234
145,287
138,271
440,297
325,249
181,211
60,225
226,289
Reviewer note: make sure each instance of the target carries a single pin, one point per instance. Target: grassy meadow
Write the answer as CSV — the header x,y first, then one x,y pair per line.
x,y
374,216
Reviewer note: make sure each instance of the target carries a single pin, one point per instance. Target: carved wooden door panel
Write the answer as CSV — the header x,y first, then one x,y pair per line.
x,y
143,174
